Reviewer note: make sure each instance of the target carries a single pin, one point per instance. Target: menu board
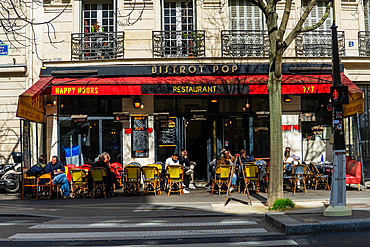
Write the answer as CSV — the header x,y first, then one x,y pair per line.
x,y
167,132
139,137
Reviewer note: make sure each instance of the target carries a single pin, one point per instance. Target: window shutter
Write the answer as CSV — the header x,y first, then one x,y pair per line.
x,y
316,14
367,13
244,15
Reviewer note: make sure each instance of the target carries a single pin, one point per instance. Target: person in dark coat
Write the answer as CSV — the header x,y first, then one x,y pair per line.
x,y
54,165
103,162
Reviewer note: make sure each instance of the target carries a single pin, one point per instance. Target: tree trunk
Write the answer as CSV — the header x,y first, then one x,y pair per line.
x,y
274,88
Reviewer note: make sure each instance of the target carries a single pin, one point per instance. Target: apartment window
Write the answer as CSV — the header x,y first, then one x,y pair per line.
x,y
98,17
367,14
317,13
178,15
245,15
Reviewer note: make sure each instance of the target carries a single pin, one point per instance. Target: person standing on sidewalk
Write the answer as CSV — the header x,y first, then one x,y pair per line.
x,y
188,168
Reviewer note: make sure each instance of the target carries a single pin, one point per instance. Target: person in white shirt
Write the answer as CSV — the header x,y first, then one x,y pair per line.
x,y
174,160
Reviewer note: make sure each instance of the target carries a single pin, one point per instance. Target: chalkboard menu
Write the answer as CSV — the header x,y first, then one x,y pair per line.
x,y
139,137
167,132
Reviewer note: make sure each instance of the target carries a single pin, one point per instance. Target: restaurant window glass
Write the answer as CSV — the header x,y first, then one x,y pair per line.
x,y
90,105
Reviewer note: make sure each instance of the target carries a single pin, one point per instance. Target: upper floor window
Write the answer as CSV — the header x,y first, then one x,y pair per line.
x,y
98,17
367,14
178,15
245,15
317,13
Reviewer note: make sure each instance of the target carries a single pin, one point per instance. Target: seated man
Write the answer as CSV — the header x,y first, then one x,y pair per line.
x,y
60,178
188,168
174,160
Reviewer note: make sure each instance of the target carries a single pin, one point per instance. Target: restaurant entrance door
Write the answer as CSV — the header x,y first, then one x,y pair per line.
x,y
194,139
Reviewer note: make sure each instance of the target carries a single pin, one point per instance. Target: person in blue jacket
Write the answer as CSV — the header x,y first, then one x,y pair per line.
x,y
60,178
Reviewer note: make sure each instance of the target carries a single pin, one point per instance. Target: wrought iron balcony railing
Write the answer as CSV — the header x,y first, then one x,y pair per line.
x,y
93,46
364,43
245,43
178,43
318,44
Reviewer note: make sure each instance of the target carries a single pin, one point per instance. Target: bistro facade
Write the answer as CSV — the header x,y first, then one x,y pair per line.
x,y
145,112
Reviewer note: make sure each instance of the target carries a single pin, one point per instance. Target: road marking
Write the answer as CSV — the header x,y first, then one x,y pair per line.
x,y
133,234
150,207
145,224
252,243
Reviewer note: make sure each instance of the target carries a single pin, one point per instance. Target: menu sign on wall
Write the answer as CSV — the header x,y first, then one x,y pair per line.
x,y
167,132
139,137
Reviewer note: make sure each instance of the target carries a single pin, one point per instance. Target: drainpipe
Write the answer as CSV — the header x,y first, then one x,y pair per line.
x,y
30,55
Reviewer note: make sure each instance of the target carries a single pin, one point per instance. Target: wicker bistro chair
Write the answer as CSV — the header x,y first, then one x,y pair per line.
x,y
251,173
99,181
79,183
151,179
318,178
29,185
47,187
174,179
300,173
131,179
221,178
160,184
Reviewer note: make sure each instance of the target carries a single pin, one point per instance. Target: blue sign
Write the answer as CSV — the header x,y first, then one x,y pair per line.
x,y
351,43
3,49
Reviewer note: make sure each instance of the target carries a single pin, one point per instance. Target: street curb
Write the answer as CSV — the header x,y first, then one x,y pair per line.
x,y
289,225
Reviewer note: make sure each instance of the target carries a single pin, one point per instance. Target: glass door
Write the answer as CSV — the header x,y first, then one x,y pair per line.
x,y
234,134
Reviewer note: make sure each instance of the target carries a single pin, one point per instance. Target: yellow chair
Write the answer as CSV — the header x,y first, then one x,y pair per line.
x,y
174,179
251,173
79,184
221,178
151,179
47,187
132,179
159,167
267,177
29,184
98,177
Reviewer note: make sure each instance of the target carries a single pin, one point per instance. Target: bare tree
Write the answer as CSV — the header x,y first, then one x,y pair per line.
x,y
279,42
15,19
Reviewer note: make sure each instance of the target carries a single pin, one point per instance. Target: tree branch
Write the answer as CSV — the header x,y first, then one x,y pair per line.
x,y
285,19
320,22
298,28
261,4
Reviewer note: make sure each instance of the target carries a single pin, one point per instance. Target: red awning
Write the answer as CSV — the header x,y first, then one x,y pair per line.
x,y
257,84
38,87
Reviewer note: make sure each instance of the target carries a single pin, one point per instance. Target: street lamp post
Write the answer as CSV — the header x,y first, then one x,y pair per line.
x,y
339,96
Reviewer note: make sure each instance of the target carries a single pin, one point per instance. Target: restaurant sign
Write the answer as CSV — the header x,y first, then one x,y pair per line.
x,y
194,89
31,108
355,105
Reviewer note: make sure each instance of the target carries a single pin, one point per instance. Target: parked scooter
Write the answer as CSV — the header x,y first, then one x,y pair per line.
x,y
10,175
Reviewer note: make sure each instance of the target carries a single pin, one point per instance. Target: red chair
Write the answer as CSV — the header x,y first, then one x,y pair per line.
x,y
86,167
117,169
67,167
